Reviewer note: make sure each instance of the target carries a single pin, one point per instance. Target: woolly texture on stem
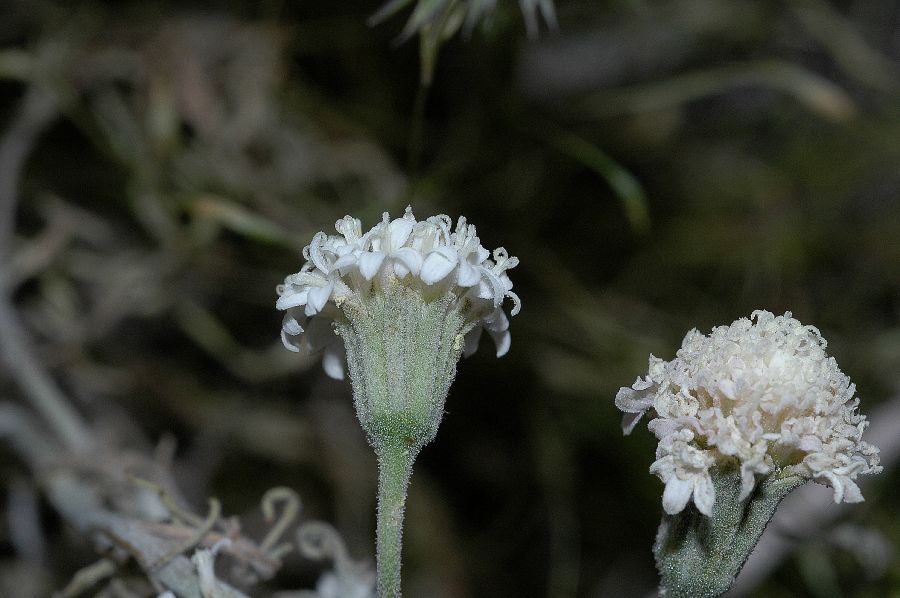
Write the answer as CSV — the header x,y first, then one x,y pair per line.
x,y
408,298
699,556
402,353
394,471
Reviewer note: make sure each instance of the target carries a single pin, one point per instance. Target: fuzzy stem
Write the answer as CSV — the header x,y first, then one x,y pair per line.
x,y
395,463
699,556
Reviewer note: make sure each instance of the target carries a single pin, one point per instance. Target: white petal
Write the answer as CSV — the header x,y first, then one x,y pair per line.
x,y
661,427
810,444
486,289
289,300
663,467
370,262
347,261
503,340
676,495
497,321
629,421
410,258
290,325
836,484
467,275
494,289
438,264
400,269
316,253
704,494
470,342
289,343
318,297
851,491
333,361
728,388
630,400
400,230
748,481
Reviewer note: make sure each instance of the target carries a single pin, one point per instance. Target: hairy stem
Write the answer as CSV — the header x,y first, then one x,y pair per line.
x,y
395,463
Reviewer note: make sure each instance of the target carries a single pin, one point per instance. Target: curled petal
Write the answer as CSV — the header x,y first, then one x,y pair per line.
x,y
291,299
290,325
289,342
517,303
635,400
316,255
492,286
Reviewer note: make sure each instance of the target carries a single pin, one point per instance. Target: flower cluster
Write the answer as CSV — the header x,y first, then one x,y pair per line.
x,y
761,391
345,271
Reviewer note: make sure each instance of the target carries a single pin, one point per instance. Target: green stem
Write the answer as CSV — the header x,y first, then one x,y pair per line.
x,y
395,463
699,556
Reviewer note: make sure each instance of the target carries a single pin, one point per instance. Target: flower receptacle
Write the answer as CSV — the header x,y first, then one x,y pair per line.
x,y
699,556
402,353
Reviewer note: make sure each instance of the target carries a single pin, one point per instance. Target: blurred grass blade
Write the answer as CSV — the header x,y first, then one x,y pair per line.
x,y
387,10
425,13
818,94
851,51
435,33
624,184
530,9
477,11
238,219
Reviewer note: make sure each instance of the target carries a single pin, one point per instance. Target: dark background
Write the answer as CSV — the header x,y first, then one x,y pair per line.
x,y
656,166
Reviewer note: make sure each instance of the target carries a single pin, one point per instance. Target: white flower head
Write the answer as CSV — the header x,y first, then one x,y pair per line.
x,y
761,392
346,271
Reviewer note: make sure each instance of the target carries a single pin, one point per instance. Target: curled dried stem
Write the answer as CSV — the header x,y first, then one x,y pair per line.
x,y
288,515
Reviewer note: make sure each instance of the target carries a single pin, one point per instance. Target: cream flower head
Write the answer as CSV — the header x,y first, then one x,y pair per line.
x,y
761,391
348,270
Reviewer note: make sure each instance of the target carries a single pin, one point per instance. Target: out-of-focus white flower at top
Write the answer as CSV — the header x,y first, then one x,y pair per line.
x,y
347,270
761,391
